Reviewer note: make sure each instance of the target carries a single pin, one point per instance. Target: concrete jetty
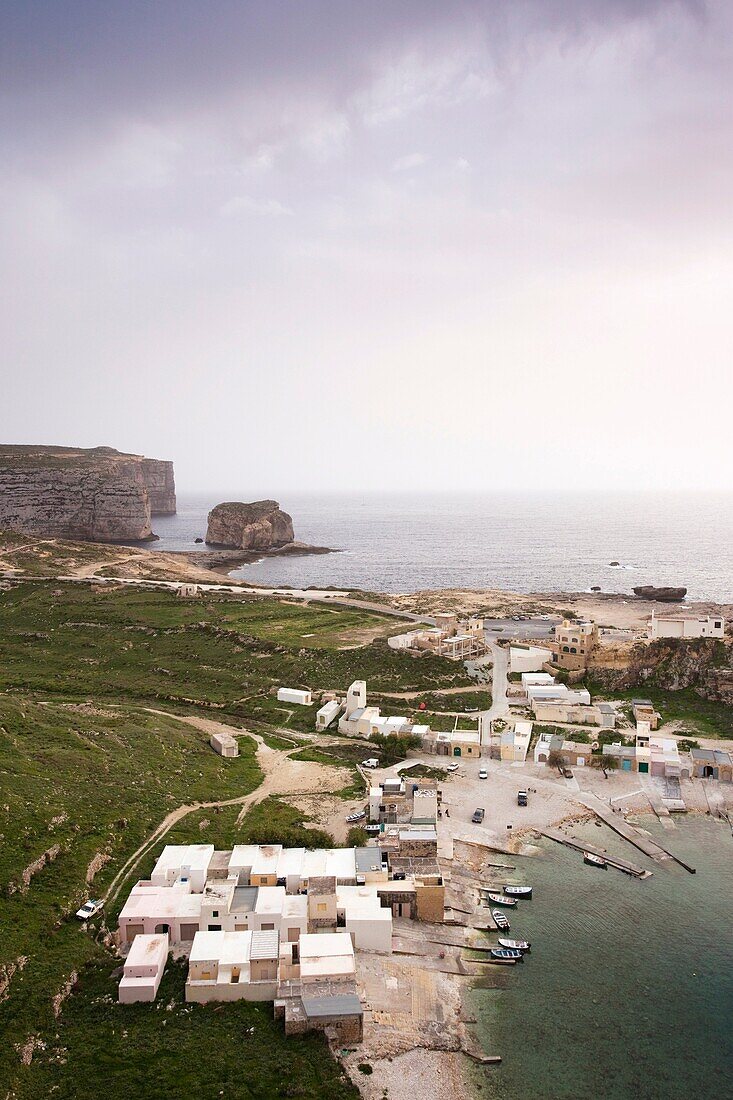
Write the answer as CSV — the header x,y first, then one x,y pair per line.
x,y
651,848
583,846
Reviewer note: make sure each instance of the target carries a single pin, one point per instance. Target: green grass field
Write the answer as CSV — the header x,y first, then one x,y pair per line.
x,y
69,640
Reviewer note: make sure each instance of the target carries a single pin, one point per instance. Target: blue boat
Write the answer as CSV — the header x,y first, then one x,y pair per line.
x,y
506,953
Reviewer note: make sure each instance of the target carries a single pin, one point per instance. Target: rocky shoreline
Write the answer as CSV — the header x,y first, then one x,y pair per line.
x,y
224,561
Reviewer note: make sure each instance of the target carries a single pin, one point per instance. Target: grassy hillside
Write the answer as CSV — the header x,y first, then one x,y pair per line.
x,y
87,773
82,787
174,1051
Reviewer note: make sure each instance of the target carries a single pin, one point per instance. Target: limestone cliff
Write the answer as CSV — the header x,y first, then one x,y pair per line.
x,y
98,495
672,664
260,525
161,485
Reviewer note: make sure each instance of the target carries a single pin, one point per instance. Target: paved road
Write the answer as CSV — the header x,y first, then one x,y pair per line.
x,y
499,704
524,630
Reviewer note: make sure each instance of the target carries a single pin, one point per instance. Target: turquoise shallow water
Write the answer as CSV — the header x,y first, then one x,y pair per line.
x,y
628,992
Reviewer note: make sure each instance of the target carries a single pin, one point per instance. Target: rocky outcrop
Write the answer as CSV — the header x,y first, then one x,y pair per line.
x,y
664,595
161,485
674,664
97,495
261,525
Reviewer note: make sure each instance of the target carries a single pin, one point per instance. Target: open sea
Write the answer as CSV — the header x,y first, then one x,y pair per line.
x,y
628,991
516,541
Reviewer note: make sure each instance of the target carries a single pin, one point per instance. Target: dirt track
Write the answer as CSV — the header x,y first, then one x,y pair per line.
x,y
281,776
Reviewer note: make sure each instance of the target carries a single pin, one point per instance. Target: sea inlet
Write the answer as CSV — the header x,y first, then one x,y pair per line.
x,y
628,991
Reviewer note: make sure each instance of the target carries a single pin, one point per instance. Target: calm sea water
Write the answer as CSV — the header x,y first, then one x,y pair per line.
x,y
628,991
520,542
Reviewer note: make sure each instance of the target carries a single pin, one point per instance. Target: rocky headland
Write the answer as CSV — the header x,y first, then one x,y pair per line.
x,y
97,495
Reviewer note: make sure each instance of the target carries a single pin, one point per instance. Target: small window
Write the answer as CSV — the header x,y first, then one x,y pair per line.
x,y
215,912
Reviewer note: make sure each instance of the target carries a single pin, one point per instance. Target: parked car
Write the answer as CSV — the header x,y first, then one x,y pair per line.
x,y
522,799
478,815
89,909
370,763
453,767
355,817
483,774
470,710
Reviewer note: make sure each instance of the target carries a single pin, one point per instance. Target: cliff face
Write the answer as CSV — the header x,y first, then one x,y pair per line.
x,y
99,495
257,526
161,486
674,664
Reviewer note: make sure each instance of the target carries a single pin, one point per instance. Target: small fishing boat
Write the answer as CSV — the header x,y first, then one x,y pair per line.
x,y
500,920
501,899
505,953
515,945
518,891
595,861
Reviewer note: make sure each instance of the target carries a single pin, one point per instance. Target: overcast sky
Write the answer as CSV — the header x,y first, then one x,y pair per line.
x,y
356,245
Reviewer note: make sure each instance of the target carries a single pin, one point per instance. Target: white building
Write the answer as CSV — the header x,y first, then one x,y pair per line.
x,y
183,863
367,921
529,658
326,955
151,910
295,695
143,968
328,714
233,966
682,626
224,744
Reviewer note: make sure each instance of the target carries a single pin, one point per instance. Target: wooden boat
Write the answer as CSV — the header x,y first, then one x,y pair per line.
x,y
500,920
515,945
501,899
594,860
518,891
505,953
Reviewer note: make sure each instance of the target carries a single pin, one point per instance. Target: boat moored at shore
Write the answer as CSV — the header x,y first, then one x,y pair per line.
x,y
515,945
501,899
500,920
595,861
506,953
519,892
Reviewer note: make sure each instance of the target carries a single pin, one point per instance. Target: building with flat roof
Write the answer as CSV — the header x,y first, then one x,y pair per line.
x,y
224,744
151,909
514,743
143,968
712,764
686,626
574,643
326,955
528,658
232,966
185,863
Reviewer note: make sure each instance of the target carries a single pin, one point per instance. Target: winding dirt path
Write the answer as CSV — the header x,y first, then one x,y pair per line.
x,y
280,775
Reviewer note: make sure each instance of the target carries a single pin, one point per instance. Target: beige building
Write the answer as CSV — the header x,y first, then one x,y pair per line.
x,y
574,643
224,744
